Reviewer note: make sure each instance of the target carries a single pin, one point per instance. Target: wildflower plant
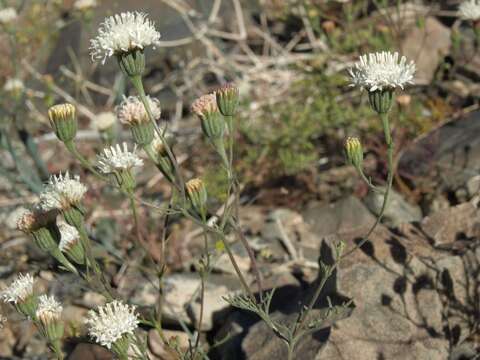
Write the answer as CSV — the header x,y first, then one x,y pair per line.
x,y
114,325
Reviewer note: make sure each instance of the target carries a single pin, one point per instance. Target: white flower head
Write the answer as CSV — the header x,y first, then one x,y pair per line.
x,y
123,33
104,120
19,289
118,158
110,322
83,5
131,111
48,309
68,236
7,15
13,85
469,10
62,192
382,70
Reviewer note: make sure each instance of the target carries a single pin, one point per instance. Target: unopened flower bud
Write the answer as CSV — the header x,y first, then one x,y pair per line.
x,y
206,109
161,158
132,112
354,151
63,120
227,99
197,192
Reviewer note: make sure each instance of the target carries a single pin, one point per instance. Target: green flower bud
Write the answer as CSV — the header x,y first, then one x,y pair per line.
x,y
213,125
197,192
162,160
354,151
227,99
63,120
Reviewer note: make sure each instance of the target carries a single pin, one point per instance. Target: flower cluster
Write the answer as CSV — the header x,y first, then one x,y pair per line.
x,y
131,111
111,322
123,33
382,71
62,192
469,10
118,158
19,289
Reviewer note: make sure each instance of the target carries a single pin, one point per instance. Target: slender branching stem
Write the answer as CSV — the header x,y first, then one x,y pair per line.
x,y
133,207
138,84
298,327
70,145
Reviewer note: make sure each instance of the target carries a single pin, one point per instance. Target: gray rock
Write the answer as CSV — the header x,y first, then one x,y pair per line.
x,y
159,349
223,263
465,351
473,185
447,226
447,157
182,297
398,210
428,52
84,351
346,215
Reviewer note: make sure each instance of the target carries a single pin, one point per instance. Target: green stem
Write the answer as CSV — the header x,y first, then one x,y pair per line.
x,y
390,147
135,219
368,181
291,348
76,154
138,84
251,255
237,269
391,171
